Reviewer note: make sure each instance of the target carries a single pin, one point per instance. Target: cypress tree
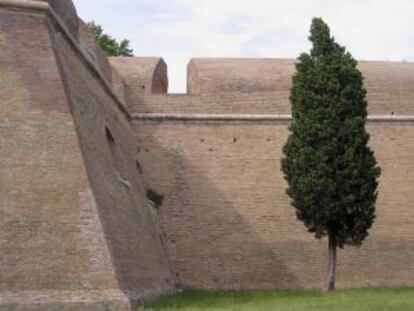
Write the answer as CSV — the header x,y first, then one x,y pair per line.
x,y
331,171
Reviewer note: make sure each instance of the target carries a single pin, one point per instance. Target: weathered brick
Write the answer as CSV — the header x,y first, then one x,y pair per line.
x,y
76,229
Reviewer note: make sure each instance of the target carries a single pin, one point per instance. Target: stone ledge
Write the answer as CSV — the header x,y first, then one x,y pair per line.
x,y
247,117
25,4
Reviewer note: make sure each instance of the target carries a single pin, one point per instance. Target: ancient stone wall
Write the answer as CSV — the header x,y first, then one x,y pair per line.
x,y
261,86
141,76
229,223
389,84
129,220
76,229
81,141
215,155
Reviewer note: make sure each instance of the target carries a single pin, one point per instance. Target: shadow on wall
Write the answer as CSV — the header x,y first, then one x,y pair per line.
x,y
227,229
210,242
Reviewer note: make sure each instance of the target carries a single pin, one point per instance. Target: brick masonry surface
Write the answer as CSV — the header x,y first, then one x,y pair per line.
x,y
229,223
77,154
76,230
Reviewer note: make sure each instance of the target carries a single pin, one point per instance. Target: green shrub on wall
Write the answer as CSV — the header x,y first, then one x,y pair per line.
x,y
155,197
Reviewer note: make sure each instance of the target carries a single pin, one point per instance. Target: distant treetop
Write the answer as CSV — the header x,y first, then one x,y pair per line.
x,y
109,44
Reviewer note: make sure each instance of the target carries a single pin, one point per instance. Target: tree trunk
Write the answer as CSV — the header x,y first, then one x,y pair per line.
x,y
331,273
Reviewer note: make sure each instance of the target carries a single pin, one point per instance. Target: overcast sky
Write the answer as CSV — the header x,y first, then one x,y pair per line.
x,y
178,30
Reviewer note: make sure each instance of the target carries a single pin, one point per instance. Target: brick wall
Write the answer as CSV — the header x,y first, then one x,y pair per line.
x,y
75,226
226,217
229,223
130,222
238,88
141,76
76,229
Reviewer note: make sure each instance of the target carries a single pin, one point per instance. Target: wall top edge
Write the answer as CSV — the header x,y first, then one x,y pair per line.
x,y
26,4
44,6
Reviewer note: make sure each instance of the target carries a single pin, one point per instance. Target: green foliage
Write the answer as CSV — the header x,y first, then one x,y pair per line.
x,y
331,171
155,197
396,299
109,44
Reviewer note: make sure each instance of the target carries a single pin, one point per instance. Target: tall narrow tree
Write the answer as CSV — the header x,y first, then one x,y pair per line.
x,y
331,171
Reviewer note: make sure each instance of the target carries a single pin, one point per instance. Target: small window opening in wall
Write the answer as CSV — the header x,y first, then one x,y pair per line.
x,y
392,113
234,140
139,167
268,139
139,149
110,138
202,140
211,149
143,87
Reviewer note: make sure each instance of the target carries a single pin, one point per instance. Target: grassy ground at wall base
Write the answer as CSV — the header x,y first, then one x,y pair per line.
x,y
398,299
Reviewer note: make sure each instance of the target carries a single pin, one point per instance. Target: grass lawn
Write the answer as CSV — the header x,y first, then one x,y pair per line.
x,y
401,299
